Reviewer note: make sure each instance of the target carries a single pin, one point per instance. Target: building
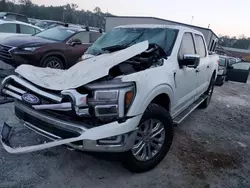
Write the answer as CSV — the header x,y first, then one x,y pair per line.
x,y
114,21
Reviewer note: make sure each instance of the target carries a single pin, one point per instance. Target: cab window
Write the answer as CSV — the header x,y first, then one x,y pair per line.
x,y
200,45
187,45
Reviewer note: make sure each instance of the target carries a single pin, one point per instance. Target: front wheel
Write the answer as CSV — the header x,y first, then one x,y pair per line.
x,y
153,140
53,62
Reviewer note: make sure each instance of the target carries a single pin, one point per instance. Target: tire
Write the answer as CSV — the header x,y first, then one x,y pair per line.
x,y
153,114
53,62
209,92
222,82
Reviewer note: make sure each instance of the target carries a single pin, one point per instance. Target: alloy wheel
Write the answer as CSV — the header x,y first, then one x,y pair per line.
x,y
54,64
149,140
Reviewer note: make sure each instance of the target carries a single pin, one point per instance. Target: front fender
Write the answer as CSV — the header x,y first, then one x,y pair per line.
x,y
142,100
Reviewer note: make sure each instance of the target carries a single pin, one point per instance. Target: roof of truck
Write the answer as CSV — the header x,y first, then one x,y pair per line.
x,y
159,26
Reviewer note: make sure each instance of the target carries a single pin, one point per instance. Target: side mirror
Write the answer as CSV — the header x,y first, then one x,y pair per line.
x,y
230,67
75,42
190,60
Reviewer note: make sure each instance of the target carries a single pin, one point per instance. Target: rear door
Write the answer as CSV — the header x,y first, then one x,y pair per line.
x,y
204,69
238,72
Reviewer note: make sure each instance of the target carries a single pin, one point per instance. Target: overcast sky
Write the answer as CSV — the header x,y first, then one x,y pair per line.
x,y
227,17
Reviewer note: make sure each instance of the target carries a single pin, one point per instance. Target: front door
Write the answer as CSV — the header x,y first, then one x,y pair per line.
x,y
238,72
185,78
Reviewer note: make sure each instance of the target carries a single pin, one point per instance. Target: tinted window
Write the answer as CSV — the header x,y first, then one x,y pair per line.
x,y
94,36
24,29
222,62
8,28
82,36
200,46
56,33
187,45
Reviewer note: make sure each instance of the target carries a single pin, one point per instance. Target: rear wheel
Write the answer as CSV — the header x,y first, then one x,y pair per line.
x,y
153,140
53,62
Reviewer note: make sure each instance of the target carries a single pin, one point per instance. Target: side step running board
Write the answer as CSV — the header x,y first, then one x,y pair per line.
x,y
178,119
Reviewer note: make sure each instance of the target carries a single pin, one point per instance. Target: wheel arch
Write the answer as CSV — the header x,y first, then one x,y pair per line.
x,y
56,54
161,95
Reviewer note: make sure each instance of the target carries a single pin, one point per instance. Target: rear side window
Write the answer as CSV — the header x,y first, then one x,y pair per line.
x,y
187,45
200,45
93,36
8,28
24,29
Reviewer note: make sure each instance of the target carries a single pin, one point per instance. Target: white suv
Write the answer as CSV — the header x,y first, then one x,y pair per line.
x,y
12,28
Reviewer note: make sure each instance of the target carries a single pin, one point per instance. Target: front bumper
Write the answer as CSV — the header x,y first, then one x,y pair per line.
x,y
75,135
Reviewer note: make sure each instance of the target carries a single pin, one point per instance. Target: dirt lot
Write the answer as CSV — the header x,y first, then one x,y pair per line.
x,y
211,148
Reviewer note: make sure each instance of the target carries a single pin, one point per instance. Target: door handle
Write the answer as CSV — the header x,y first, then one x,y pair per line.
x,y
208,66
197,70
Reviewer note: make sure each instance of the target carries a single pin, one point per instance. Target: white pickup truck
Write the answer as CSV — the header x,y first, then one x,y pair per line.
x,y
134,84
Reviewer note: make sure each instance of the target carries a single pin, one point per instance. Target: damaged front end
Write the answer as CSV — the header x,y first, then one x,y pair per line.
x,y
90,118
85,111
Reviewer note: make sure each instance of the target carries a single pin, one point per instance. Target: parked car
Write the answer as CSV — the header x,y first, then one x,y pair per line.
x,y
58,47
222,70
47,24
14,16
10,28
33,21
125,99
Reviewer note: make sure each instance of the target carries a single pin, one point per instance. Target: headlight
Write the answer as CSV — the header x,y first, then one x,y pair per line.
x,y
32,49
111,100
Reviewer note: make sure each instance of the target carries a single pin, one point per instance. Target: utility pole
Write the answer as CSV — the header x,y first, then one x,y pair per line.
x,y
192,20
208,26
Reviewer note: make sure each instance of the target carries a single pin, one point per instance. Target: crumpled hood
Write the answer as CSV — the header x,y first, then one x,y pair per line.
x,y
80,74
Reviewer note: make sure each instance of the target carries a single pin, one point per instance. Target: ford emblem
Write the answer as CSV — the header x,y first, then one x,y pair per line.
x,y
30,98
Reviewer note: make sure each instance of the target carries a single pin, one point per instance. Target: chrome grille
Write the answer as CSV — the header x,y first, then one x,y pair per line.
x,y
4,52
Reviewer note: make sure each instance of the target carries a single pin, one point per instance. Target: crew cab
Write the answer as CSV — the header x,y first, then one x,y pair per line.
x,y
133,84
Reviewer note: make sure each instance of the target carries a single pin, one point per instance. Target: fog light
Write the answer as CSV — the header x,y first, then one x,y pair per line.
x,y
106,110
111,140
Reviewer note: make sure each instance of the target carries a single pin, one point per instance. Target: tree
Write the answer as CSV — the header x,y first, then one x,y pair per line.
x,y
97,9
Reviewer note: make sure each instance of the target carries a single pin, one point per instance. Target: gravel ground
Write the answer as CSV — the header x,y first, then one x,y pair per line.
x,y
211,148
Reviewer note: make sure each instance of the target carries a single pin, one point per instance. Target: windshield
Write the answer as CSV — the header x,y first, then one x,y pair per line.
x,y
123,37
56,33
222,62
